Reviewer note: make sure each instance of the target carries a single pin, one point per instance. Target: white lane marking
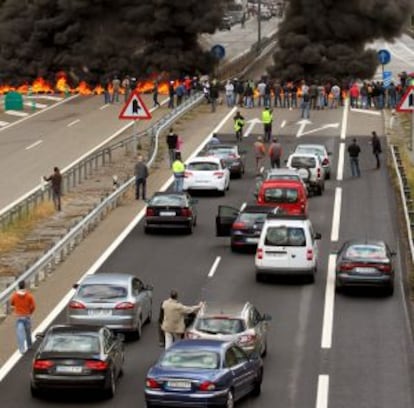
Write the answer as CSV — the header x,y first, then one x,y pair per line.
x,y
39,112
16,356
48,97
16,113
327,126
283,124
344,124
328,310
35,104
323,391
252,124
113,136
341,160
73,123
33,145
214,267
104,106
4,123
303,123
367,111
336,218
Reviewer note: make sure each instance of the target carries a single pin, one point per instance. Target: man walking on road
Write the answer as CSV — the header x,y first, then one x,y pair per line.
x,y
141,175
267,119
172,141
116,87
259,153
56,181
23,304
178,168
173,323
376,148
238,125
275,153
354,150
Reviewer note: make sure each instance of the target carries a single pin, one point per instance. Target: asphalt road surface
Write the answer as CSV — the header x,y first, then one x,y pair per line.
x,y
324,350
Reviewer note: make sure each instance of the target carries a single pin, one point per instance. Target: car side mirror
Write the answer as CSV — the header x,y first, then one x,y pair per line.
x,y
317,235
266,317
75,285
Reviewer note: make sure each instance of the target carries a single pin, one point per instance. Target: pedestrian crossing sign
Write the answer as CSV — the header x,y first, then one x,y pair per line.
x,y
407,101
135,108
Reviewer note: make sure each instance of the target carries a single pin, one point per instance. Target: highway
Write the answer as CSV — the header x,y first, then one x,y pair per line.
x,y
324,350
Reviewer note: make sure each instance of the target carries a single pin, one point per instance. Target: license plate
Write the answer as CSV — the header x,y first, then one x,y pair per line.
x,y
252,240
100,312
167,213
68,369
363,270
184,385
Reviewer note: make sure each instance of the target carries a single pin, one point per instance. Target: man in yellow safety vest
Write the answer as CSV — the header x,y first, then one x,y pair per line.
x,y
267,119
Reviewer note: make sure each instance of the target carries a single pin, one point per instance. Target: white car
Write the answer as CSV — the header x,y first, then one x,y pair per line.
x,y
206,173
321,151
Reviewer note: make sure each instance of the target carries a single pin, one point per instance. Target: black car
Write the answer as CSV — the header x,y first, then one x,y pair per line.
x,y
243,225
232,157
78,357
170,210
365,263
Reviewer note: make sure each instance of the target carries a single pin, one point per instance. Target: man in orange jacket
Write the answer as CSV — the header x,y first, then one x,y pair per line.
x,y
23,304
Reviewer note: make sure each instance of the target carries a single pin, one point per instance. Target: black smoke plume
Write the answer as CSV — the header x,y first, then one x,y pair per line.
x,y
92,40
320,39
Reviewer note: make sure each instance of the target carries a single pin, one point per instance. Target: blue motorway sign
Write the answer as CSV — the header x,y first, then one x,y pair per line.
x,y
218,51
384,57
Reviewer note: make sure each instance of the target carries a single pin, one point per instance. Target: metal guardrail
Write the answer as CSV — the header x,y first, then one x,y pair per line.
x,y
46,264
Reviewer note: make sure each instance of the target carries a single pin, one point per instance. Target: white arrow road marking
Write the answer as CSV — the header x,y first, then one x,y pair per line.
x,y
327,126
35,104
48,97
252,124
16,113
367,111
34,145
323,391
303,123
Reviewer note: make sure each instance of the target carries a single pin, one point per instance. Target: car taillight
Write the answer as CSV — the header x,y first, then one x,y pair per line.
x,y
325,161
259,253
246,339
318,173
188,174
207,386
192,335
384,268
239,225
150,212
74,304
97,365
186,212
125,306
346,266
151,383
309,254
218,174
43,364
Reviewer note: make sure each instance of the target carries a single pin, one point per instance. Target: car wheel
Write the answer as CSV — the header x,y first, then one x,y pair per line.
x,y
264,352
259,277
149,317
223,192
195,221
35,392
190,228
228,186
110,388
328,175
229,400
311,278
257,389
138,330
146,230
390,290
338,288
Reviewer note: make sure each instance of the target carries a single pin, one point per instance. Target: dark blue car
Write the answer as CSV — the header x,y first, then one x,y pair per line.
x,y
203,373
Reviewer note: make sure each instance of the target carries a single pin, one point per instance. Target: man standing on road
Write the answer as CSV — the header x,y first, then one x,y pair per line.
x,y
141,175
172,141
259,153
178,168
155,95
173,323
354,150
56,181
275,153
126,84
376,147
116,86
238,125
267,119
23,304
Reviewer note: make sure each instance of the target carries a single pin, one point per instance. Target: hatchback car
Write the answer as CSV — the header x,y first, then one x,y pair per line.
x,y
278,174
233,158
243,225
321,151
77,357
201,373
170,210
116,300
365,263
241,323
207,173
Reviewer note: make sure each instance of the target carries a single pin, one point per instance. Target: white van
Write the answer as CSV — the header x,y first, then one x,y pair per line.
x,y
287,246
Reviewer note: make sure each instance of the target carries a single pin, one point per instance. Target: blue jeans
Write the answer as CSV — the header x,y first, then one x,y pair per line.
x,y
24,333
140,182
178,183
354,161
305,110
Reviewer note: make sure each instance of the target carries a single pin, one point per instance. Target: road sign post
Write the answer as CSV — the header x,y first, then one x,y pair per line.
x,y
406,104
384,57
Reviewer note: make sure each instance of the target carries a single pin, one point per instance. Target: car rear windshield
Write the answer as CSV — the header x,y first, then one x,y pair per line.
x,y
102,291
222,151
285,236
220,325
190,359
251,218
72,342
366,251
281,195
303,162
283,177
203,166
311,149
170,200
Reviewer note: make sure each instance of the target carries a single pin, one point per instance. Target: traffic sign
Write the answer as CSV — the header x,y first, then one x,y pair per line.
x,y
218,51
406,103
384,57
135,108
387,78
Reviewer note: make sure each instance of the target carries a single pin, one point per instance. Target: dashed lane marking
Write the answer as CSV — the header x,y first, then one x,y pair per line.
x,y
33,145
16,113
323,391
73,123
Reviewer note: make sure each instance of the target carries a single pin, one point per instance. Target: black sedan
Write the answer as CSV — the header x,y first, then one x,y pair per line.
x,y
78,357
233,158
365,263
243,225
170,210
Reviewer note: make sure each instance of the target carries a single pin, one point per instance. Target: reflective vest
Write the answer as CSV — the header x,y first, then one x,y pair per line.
x,y
266,116
178,167
238,124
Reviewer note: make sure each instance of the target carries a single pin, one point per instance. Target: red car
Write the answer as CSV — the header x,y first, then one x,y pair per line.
x,y
289,195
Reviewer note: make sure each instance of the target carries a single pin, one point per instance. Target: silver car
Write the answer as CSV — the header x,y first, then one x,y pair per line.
x,y
119,301
321,151
240,322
